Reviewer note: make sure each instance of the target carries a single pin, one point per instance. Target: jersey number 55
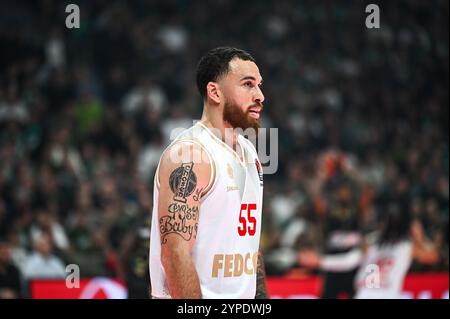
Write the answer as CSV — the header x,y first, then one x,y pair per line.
x,y
247,222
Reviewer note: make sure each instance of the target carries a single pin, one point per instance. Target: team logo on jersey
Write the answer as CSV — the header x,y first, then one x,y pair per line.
x,y
230,171
260,171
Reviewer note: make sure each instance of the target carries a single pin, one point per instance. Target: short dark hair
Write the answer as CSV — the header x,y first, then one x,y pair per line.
x,y
215,64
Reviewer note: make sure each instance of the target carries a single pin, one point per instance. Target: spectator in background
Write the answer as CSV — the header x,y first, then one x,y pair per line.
x,y
92,252
4,218
41,263
17,248
146,96
13,108
10,279
46,224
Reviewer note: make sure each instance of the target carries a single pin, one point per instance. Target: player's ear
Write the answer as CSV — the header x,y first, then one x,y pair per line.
x,y
213,92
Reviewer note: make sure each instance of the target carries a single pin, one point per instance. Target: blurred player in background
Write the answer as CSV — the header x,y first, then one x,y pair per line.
x,y
383,259
208,191
387,261
134,256
340,204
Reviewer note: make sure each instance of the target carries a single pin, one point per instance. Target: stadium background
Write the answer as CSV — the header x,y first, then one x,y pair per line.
x,y
85,114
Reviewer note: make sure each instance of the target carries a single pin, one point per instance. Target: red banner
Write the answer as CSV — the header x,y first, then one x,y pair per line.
x,y
416,286
95,288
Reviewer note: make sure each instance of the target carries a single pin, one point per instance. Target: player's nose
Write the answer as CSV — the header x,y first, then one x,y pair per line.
x,y
259,96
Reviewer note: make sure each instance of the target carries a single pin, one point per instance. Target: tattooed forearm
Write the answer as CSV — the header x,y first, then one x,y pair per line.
x,y
261,289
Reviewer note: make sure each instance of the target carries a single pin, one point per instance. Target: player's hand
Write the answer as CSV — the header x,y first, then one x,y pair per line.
x,y
309,258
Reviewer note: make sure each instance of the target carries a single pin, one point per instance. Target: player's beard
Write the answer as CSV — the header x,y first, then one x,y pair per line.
x,y
238,118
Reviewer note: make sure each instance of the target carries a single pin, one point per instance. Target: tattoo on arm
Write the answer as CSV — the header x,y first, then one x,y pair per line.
x,y
261,289
198,194
182,218
183,182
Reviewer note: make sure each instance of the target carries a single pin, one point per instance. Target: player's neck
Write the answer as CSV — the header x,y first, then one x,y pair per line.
x,y
221,129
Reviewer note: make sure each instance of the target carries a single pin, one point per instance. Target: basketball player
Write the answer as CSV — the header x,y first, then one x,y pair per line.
x,y
208,191
386,263
341,219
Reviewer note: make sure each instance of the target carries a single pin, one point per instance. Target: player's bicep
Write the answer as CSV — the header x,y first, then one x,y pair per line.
x,y
181,186
178,207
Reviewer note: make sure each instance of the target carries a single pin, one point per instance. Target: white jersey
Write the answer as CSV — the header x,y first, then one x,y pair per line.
x,y
382,273
226,248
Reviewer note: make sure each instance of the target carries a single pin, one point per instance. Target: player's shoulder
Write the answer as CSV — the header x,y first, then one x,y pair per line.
x,y
186,154
191,145
186,159
193,133
185,151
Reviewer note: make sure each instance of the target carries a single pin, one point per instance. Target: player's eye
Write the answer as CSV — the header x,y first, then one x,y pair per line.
x,y
248,84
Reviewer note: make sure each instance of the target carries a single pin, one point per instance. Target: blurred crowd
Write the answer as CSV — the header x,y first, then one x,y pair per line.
x,y
85,114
